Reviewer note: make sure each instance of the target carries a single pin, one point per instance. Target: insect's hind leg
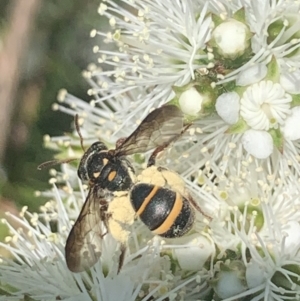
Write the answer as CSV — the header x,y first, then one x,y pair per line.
x,y
122,257
197,207
160,148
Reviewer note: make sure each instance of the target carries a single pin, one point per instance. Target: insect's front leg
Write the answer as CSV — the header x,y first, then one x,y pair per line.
x,y
104,215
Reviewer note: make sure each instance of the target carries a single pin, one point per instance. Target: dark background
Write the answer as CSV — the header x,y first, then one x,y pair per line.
x,y
44,46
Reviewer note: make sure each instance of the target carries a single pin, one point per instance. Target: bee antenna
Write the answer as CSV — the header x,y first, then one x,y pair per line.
x,y
54,162
77,126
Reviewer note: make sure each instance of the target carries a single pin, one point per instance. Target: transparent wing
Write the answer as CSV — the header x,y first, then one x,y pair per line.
x,y
84,243
160,127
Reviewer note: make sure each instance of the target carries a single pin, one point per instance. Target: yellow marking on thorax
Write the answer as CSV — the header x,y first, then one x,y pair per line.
x,y
96,174
169,221
112,175
147,200
104,160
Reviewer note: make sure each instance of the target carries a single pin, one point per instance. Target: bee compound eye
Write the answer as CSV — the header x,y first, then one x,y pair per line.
x,y
82,174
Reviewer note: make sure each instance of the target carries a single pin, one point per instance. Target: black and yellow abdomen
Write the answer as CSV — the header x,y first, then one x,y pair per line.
x,y
165,212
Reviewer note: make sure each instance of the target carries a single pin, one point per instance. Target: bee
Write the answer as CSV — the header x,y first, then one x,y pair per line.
x,y
162,201
110,176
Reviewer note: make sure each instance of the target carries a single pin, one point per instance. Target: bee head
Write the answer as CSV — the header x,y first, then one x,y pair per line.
x,y
92,161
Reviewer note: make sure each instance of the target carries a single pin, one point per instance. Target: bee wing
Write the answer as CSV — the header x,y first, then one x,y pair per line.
x,y
160,127
84,243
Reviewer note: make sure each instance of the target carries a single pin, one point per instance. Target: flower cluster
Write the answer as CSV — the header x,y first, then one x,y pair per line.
x,y
233,69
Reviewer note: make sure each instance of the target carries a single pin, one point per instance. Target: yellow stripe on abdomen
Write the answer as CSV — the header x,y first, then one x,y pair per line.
x,y
169,221
147,200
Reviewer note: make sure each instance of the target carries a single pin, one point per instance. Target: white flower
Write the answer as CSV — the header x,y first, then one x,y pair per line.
x,y
265,260
265,104
137,67
273,25
270,274
233,69
40,262
163,52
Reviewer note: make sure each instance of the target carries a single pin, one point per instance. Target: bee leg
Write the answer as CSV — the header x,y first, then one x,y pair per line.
x,y
197,207
122,257
153,156
104,215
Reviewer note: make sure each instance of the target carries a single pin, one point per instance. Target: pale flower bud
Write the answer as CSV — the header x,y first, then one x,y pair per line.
x,y
190,101
231,38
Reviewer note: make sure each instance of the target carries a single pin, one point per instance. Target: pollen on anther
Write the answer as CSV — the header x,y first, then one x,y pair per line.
x,y
223,195
61,96
232,145
55,107
112,21
46,138
93,33
8,239
204,150
52,181
255,201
